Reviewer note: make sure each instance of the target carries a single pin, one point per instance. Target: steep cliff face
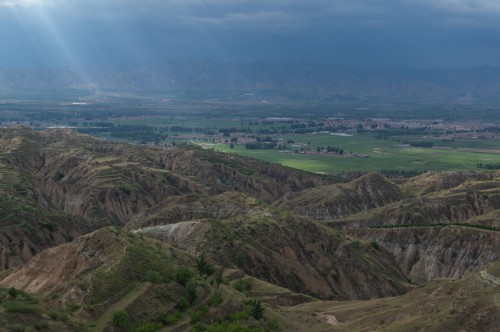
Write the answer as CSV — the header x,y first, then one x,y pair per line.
x,y
338,200
427,253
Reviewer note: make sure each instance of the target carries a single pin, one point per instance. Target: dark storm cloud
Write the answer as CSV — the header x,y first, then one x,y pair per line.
x,y
420,33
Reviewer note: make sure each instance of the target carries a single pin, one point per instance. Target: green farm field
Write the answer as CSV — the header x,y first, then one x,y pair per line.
x,y
382,154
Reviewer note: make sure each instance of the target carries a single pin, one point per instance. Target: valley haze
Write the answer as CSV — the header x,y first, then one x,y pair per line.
x,y
249,166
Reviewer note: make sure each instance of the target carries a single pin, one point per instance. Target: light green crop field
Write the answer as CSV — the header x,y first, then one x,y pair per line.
x,y
382,154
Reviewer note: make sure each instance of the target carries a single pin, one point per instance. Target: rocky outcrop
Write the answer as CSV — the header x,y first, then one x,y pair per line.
x,y
427,253
60,264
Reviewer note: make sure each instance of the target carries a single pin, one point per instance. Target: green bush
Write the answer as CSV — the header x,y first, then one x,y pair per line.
x,y
16,327
242,285
183,275
204,268
21,308
256,309
218,277
198,315
191,292
240,315
153,277
120,318
183,303
58,316
41,326
148,327
216,299
13,292
173,318
240,259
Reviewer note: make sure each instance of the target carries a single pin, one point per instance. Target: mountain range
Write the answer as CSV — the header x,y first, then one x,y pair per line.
x,y
294,80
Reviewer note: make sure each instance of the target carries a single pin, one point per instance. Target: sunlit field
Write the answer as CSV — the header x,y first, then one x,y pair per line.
x,y
382,155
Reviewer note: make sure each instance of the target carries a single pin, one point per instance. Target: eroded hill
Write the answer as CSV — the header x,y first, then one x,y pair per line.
x,y
294,237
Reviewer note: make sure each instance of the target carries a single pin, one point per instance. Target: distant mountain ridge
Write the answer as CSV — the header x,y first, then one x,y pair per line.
x,y
292,79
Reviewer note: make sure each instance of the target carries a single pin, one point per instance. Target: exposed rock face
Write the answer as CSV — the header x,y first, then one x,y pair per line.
x,y
183,234
19,245
427,253
446,208
60,264
334,201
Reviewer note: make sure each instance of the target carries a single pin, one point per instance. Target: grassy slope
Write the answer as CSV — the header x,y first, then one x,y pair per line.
x,y
442,305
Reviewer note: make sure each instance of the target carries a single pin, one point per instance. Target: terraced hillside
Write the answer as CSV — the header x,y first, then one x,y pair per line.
x,y
58,184
99,235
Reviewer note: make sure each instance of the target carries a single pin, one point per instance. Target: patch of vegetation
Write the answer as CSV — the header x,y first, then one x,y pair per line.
x,y
216,300
139,263
198,315
120,318
183,275
148,327
243,285
173,318
21,308
485,227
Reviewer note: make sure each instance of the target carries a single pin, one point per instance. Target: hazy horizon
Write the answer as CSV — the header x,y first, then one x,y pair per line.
x,y
374,34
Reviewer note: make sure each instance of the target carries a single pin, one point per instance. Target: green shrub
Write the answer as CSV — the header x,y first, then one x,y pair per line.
x,y
183,275
74,307
240,315
273,325
240,259
204,268
13,292
173,318
375,245
216,299
21,308
120,318
41,326
16,327
153,277
218,277
198,315
183,303
256,309
58,316
191,292
148,327
242,285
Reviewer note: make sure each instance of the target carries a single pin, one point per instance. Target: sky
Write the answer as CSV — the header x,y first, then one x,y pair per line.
x,y
368,33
